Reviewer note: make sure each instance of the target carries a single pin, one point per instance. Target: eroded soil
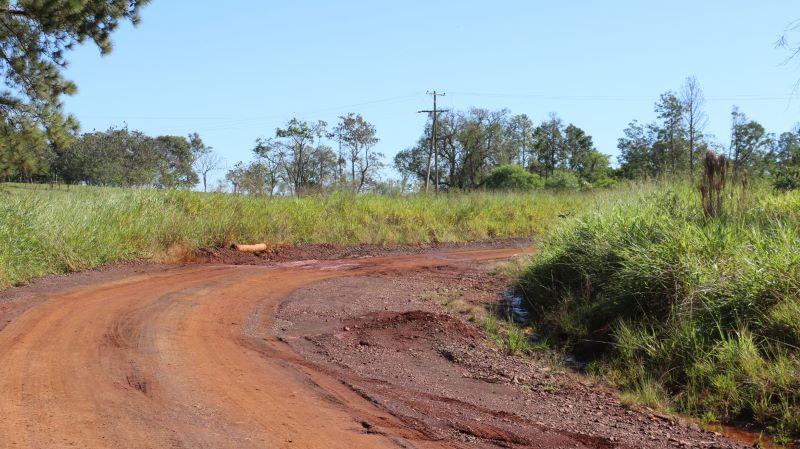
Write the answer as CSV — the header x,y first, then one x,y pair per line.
x,y
350,353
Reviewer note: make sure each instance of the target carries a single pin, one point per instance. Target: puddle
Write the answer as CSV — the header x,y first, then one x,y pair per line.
x,y
747,437
514,306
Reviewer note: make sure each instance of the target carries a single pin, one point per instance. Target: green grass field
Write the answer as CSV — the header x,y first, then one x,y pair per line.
x,y
45,231
698,314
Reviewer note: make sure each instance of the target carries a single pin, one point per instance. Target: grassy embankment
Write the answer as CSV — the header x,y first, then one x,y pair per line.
x,y
44,231
698,314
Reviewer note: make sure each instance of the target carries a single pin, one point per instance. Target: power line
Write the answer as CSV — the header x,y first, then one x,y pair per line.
x,y
623,98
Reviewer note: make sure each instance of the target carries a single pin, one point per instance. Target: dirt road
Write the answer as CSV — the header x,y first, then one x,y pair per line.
x,y
188,357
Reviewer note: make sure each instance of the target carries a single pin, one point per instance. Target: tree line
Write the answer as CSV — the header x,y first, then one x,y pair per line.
x,y
476,149
673,144
117,157
300,158
470,144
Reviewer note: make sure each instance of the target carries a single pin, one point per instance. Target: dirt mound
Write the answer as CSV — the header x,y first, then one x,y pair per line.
x,y
405,330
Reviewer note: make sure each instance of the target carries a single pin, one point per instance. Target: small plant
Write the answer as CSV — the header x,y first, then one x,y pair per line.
x,y
713,183
708,417
647,393
595,368
515,341
491,324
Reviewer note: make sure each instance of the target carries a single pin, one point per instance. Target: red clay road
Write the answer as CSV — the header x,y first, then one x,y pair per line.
x,y
184,358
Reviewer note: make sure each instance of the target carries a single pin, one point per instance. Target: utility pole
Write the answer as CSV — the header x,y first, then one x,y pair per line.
x,y
433,151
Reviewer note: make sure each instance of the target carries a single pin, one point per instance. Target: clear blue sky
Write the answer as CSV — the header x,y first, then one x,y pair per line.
x,y
236,70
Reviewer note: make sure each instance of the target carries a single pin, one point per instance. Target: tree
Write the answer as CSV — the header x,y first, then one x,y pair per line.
x,y
789,40
670,111
579,151
34,38
750,144
471,144
549,144
205,159
694,118
358,137
24,152
270,156
115,157
321,168
788,148
175,160
520,137
635,148
297,140
123,157
248,179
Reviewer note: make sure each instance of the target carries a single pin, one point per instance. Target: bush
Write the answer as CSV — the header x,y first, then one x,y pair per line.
x,y
604,182
512,177
562,180
657,292
787,179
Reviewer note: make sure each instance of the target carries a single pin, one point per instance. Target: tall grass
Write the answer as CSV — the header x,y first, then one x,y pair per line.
x,y
45,230
705,309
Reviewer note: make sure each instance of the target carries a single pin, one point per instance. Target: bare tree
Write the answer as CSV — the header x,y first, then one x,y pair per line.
x,y
206,159
693,116
790,41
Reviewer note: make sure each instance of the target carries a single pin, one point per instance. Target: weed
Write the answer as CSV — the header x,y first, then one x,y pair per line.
x,y
713,183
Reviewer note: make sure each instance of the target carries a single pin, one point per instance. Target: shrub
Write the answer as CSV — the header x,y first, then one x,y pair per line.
x,y
512,177
604,182
562,180
787,179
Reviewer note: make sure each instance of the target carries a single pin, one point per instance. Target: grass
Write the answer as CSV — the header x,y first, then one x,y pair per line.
x,y
675,306
45,231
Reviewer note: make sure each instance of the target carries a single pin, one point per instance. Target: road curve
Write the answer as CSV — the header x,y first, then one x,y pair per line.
x,y
184,358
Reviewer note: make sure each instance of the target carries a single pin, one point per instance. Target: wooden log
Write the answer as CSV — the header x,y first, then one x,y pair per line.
x,y
251,248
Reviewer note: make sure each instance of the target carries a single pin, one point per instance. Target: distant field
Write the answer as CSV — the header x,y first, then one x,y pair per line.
x,y
59,230
680,310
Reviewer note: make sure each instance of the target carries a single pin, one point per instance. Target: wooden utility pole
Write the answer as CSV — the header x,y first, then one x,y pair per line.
x,y
434,149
